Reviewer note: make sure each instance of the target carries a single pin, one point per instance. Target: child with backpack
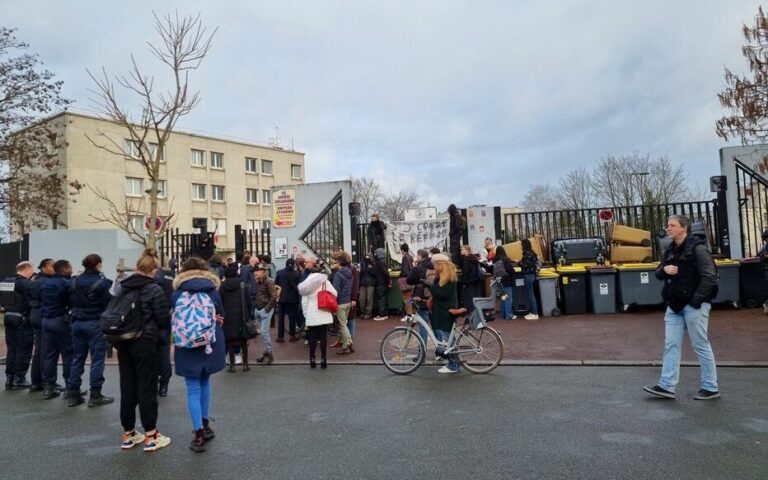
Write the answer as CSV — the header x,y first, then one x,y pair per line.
x,y
132,322
199,341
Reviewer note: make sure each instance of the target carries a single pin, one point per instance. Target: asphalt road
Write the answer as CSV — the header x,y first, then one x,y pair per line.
x,y
359,422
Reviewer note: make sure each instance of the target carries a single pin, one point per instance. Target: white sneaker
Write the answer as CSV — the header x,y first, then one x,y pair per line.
x,y
445,369
238,359
131,440
379,318
514,317
531,316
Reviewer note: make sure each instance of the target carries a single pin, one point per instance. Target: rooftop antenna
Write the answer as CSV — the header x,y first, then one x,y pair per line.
x,y
274,142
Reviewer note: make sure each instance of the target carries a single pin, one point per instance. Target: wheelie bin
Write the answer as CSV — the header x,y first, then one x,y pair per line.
x,y
729,290
573,289
754,282
602,289
547,292
638,285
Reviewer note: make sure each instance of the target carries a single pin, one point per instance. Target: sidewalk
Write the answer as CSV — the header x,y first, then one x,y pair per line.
x,y
636,338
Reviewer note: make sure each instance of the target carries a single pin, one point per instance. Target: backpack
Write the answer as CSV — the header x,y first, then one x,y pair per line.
x,y
193,321
122,321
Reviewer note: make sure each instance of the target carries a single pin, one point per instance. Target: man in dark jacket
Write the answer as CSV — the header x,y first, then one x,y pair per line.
x,y
264,297
342,281
36,320
367,288
383,282
15,296
288,302
690,283
376,234
470,280
164,278
455,230
88,298
57,335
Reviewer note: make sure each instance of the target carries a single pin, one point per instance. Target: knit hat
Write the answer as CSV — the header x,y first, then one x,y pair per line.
x,y
439,257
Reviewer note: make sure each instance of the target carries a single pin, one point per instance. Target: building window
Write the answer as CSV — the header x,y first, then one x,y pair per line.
x,y
267,224
251,165
198,158
198,191
133,187
220,226
217,193
296,171
162,191
266,197
131,148
252,195
153,152
266,167
136,223
217,160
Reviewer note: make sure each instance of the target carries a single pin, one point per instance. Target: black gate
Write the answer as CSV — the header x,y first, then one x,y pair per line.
x,y
257,242
180,246
752,194
586,222
326,234
11,254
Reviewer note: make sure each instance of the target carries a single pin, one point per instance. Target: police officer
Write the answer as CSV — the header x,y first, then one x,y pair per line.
x,y
57,335
35,319
15,293
88,298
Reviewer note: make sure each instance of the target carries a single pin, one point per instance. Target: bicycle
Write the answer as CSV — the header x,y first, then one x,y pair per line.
x,y
478,347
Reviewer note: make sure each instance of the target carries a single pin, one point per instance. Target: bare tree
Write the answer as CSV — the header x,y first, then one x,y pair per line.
x,y
184,43
747,98
33,185
541,197
393,206
576,190
368,193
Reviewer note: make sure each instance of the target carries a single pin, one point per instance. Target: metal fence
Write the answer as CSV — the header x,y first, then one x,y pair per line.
x,y
11,254
583,223
325,235
257,242
753,208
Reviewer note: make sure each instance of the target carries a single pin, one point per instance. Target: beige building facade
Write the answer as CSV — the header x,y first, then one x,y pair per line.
x,y
224,182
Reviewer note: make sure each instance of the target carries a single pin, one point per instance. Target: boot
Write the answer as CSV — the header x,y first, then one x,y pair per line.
x,y
74,398
21,383
49,391
198,443
35,388
268,358
207,432
312,362
162,390
323,363
68,393
10,380
97,399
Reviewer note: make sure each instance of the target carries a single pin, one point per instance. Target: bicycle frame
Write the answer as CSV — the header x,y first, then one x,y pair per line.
x,y
448,347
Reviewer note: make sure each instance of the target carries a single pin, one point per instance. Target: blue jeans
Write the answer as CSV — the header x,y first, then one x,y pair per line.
x,y
695,321
530,284
198,399
426,315
57,340
507,312
351,327
87,336
443,337
265,318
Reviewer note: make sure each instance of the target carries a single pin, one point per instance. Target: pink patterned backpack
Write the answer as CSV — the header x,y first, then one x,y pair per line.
x,y
193,322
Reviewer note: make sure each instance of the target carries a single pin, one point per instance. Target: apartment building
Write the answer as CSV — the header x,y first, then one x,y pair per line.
x,y
204,179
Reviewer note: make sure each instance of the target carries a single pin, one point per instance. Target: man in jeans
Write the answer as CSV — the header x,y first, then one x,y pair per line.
x,y
690,283
264,297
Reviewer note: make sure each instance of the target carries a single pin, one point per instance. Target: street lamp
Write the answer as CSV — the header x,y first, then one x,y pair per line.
x,y
631,183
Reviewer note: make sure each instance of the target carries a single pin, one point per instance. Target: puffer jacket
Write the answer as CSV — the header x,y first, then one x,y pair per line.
x,y
237,304
380,268
309,289
696,279
153,305
342,282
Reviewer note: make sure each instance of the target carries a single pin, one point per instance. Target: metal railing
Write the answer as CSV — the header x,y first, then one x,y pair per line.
x,y
326,234
584,223
257,242
753,208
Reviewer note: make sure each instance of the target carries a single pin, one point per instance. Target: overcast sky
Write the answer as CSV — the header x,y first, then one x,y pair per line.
x,y
466,101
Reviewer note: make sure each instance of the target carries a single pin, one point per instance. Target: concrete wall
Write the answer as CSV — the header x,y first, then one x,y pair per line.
x,y
753,156
311,199
74,245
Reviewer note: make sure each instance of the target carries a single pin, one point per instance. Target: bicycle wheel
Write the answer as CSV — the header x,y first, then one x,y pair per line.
x,y
480,351
402,350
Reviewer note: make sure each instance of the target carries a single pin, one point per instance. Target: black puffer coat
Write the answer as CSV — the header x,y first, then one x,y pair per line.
x,y
154,305
232,298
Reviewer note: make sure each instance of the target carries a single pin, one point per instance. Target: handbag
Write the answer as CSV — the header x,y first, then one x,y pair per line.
x,y
327,301
250,326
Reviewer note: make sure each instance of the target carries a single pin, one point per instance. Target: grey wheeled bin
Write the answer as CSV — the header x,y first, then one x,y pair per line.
x,y
638,285
547,282
602,289
728,291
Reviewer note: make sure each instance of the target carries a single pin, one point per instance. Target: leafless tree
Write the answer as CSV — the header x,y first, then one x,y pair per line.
x,y
576,190
541,197
640,180
33,186
393,206
184,43
745,97
368,193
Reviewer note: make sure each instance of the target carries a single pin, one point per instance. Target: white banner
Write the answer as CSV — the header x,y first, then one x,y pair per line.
x,y
417,234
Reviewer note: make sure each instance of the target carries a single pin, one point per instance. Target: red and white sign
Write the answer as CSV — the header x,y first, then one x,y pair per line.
x,y
158,223
606,215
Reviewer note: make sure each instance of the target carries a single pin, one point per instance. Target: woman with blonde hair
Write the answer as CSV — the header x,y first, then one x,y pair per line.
x,y
445,299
